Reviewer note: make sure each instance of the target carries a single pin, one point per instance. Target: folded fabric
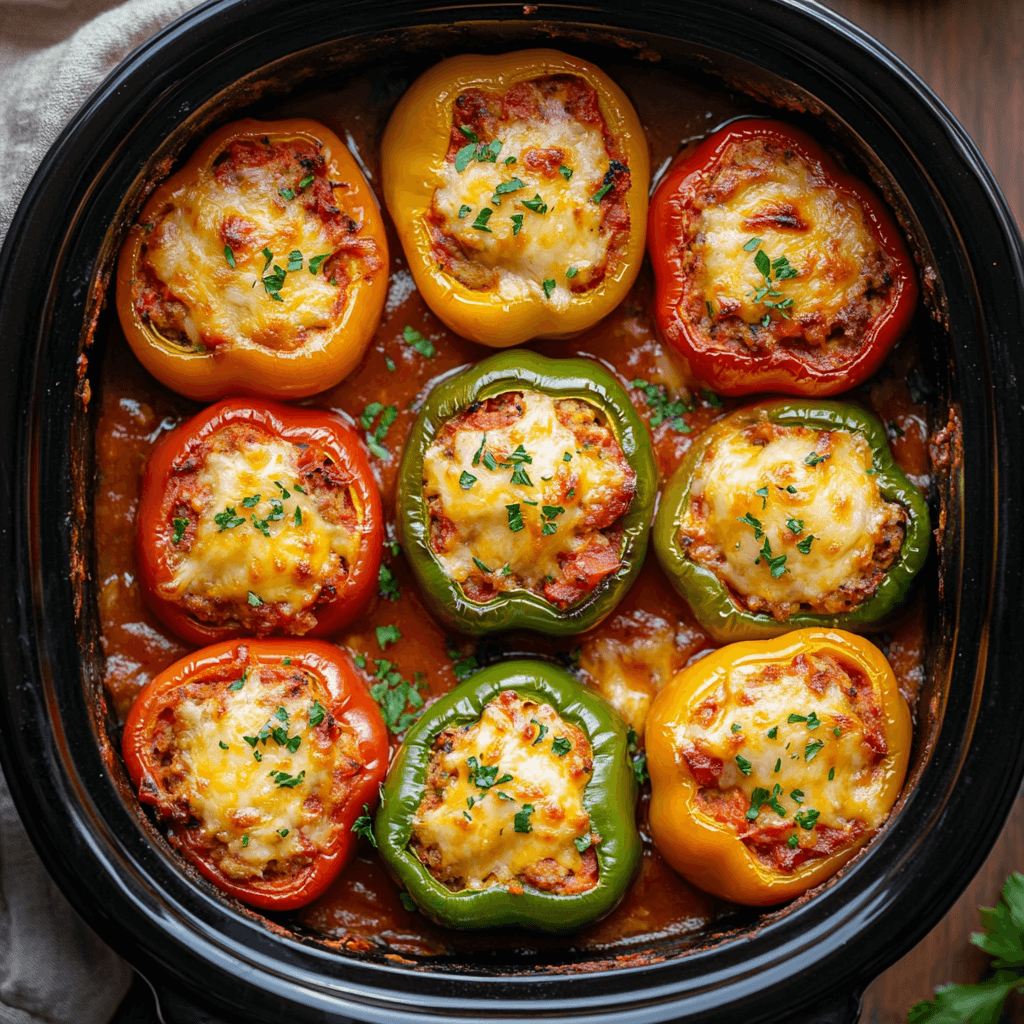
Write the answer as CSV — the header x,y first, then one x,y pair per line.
x,y
53,969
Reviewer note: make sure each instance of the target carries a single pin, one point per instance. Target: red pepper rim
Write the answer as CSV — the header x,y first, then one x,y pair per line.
x,y
781,370
350,703
327,431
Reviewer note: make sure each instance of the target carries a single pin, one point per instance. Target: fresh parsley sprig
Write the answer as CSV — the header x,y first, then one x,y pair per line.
x,y
1003,940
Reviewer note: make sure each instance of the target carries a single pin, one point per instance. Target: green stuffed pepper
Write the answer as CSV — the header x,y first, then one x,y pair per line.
x,y
511,803
791,514
525,495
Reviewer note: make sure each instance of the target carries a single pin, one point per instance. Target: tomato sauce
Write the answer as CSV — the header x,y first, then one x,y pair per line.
x,y
649,637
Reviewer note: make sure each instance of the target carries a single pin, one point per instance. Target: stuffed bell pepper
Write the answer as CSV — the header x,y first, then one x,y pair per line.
x,y
775,269
525,495
790,514
772,762
518,186
511,803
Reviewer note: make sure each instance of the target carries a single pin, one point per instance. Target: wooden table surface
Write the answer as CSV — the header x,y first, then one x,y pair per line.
x,y
972,55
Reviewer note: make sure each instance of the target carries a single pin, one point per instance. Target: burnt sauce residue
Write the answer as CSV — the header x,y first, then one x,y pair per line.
x,y
650,636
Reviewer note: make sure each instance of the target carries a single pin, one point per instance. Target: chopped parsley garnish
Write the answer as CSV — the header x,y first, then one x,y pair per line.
x,y
776,564
282,832
388,635
542,731
479,451
254,600
560,746
812,748
467,480
806,819
813,721
317,712
664,408
464,664
286,193
483,776
795,526
521,822
481,220
804,547
512,185
762,493
227,519
297,518
245,839
286,781
796,718
548,285
239,683
387,415
229,255
480,565
565,172
572,272
793,841
363,826
389,363
767,294
837,732
536,204
515,517
294,261
517,223
567,457
521,477
744,764
463,210
815,459
387,585
475,150
222,745
752,522
778,764
306,182
773,732
757,798
394,695
315,262
582,843
831,774
797,795
180,526
416,341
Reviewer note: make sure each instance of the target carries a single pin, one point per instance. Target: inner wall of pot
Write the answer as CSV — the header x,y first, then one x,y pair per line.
x,y
394,59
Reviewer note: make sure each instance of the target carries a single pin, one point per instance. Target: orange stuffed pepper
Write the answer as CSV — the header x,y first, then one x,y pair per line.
x,y
518,185
259,268
773,761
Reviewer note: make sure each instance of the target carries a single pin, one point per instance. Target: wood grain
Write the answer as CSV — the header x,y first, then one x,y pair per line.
x,y
972,55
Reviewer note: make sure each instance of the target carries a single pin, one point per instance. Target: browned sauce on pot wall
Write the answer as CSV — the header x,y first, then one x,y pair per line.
x,y
649,637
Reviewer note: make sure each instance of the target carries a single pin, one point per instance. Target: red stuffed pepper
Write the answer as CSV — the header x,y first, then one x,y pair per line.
x,y
261,755
257,518
775,269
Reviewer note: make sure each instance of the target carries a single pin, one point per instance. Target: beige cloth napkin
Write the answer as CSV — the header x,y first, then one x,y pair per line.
x,y
53,969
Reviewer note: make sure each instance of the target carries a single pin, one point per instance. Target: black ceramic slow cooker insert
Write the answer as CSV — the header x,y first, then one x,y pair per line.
x,y
807,962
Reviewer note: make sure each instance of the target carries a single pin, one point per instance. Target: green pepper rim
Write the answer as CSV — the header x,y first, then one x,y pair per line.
x,y
708,597
609,797
520,609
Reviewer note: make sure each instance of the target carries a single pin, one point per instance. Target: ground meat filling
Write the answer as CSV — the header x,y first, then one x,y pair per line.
x,y
503,803
262,197
789,758
259,532
791,520
554,527
223,759
539,196
840,278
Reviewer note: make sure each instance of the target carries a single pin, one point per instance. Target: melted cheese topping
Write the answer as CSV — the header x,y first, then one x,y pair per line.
x,y
473,827
290,566
837,501
567,235
480,513
234,796
759,701
829,254
186,251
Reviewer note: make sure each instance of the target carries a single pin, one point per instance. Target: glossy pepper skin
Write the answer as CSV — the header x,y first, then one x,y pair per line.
x,y
321,430
413,153
561,378
609,798
251,368
782,369
708,852
708,597
348,702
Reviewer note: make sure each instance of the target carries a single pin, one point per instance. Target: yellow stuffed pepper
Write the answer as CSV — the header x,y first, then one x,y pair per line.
x,y
773,761
518,186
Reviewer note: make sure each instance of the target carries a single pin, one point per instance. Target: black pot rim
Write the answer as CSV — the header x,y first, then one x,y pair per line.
x,y
146,907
